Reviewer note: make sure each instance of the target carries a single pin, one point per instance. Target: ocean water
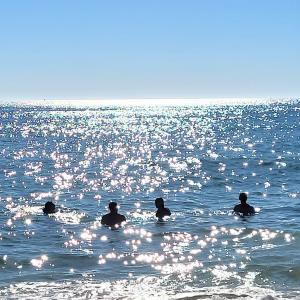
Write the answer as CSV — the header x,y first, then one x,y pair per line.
x,y
197,157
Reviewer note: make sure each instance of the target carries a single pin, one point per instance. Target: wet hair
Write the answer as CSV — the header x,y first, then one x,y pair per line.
x,y
159,202
243,197
49,208
113,206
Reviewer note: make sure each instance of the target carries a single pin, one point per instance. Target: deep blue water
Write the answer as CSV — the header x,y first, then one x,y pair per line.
x,y
198,158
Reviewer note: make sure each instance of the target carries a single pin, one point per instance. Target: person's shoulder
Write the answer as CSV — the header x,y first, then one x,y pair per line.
x,y
122,218
168,212
236,207
252,209
104,218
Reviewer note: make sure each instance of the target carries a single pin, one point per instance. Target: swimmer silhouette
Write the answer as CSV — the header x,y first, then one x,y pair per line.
x,y
162,211
244,209
113,218
49,208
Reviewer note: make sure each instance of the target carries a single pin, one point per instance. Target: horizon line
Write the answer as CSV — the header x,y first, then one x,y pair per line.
x,y
151,101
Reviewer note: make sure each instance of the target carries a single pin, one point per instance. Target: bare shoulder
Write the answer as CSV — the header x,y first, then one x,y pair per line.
x,y
237,208
104,219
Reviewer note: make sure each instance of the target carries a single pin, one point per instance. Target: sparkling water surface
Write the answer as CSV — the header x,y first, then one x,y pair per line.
x,y
198,158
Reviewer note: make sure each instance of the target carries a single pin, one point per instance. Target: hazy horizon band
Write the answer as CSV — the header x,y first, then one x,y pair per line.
x,y
148,101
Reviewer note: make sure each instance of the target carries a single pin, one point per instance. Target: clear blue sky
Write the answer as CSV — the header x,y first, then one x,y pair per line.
x,y
71,49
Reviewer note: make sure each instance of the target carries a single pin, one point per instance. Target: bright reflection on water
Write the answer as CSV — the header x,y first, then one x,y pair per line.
x,y
198,158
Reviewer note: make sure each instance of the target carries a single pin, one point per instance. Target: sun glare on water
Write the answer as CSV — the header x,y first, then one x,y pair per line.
x,y
150,102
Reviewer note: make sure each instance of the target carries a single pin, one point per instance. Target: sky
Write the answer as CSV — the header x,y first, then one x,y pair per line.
x,y
127,49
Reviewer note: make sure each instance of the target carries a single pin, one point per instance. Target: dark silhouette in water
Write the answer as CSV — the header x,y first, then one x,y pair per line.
x,y
244,209
49,208
162,211
113,218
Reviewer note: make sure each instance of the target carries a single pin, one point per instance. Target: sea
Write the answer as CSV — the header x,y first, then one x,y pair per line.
x,y
198,157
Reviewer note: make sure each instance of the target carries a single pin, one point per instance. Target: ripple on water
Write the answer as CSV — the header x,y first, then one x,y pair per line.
x,y
197,158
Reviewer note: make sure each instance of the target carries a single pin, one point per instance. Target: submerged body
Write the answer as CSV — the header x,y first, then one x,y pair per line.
x,y
162,211
244,208
49,208
113,218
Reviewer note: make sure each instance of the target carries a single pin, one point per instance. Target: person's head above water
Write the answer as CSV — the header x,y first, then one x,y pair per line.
x,y
49,208
113,207
243,198
159,203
